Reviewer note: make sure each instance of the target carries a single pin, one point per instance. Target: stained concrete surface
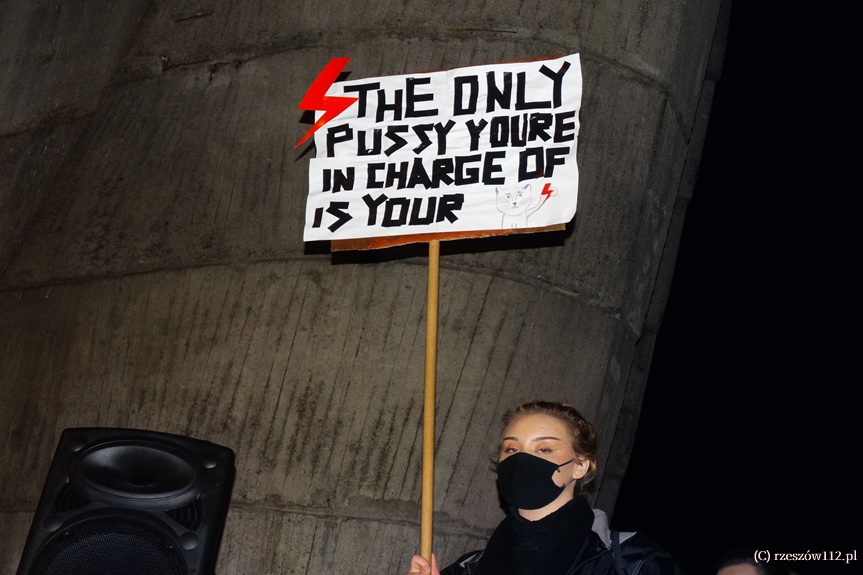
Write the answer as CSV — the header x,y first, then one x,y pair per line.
x,y
154,275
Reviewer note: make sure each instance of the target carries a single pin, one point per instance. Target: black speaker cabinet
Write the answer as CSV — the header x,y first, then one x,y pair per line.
x,y
130,502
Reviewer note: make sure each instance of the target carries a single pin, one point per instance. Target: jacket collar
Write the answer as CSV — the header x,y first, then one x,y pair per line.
x,y
600,527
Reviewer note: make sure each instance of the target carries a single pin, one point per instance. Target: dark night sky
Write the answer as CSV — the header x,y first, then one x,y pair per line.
x,y
745,435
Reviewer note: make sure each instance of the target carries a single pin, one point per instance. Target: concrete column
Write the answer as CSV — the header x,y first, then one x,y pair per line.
x,y
154,275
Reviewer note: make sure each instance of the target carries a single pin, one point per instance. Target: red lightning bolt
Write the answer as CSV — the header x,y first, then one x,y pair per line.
x,y
546,192
316,97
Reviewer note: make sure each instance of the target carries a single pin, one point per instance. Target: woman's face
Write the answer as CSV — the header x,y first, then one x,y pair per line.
x,y
546,437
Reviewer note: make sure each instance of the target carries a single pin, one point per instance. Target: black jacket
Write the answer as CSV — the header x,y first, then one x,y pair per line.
x,y
637,555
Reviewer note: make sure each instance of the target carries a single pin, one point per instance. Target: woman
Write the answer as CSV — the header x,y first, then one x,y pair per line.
x,y
741,561
547,456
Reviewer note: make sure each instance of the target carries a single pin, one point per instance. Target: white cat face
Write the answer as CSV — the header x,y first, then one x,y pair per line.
x,y
513,201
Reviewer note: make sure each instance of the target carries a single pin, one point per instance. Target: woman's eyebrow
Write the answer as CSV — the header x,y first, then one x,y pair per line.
x,y
546,437
543,438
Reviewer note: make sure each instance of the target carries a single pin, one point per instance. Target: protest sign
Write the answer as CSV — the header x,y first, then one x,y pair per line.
x,y
466,152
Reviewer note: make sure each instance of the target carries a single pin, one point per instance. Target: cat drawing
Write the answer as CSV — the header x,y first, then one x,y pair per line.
x,y
516,204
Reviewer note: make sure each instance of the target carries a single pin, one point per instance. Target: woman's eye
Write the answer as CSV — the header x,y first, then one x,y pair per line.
x,y
544,450
508,450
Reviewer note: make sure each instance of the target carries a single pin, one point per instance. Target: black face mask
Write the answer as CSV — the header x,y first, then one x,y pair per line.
x,y
525,480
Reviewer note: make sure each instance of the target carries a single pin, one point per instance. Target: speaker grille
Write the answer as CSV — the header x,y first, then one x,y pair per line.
x,y
109,546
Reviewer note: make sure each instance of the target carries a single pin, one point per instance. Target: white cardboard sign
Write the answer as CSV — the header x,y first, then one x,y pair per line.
x,y
468,149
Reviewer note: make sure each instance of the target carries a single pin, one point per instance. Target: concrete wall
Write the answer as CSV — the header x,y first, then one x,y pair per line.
x,y
153,274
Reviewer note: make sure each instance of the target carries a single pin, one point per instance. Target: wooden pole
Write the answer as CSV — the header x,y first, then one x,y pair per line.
x,y
429,401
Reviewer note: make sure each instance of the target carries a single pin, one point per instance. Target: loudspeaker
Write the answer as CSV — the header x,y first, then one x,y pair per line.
x,y
130,502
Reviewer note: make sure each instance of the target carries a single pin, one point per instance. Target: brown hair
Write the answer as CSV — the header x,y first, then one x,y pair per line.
x,y
582,434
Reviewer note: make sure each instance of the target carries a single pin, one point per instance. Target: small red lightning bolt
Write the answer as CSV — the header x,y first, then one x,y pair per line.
x,y
546,192
316,97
